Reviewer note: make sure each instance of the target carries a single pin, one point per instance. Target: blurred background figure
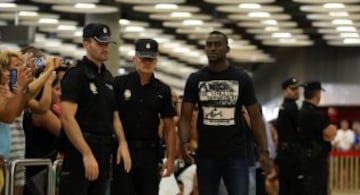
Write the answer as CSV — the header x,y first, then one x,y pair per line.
x,y
345,137
316,134
356,129
290,175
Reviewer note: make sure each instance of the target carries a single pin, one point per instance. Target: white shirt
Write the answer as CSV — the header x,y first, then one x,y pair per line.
x,y
345,139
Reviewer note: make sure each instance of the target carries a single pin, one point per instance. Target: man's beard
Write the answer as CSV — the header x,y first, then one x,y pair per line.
x,y
216,60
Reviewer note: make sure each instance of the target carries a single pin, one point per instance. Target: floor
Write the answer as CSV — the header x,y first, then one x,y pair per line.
x,y
345,193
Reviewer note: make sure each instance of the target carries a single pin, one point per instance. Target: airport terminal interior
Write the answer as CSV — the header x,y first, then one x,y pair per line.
x,y
271,40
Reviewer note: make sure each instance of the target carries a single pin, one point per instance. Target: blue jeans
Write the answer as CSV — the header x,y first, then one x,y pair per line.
x,y
234,171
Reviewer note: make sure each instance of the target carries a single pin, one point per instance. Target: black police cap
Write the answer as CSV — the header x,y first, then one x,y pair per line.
x,y
100,32
313,85
290,82
146,48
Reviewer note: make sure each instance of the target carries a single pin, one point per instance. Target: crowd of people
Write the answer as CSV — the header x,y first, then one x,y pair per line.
x,y
123,135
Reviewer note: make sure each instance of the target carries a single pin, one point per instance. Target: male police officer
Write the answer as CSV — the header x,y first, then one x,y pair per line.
x,y
90,118
290,176
316,135
142,100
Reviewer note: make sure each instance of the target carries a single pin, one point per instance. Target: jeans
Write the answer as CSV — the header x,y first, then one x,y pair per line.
x,y
233,170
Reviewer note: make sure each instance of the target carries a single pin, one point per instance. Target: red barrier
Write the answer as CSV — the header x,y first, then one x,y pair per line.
x,y
343,153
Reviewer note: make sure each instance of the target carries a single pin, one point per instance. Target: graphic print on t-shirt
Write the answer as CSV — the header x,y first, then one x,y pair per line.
x,y
219,99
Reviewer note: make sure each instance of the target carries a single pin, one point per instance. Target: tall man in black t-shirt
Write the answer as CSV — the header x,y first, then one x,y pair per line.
x,y
290,175
142,100
220,90
90,119
316,134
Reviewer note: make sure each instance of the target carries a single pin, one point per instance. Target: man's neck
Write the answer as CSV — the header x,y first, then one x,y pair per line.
x,y
96,62
218,66
312,101
144,78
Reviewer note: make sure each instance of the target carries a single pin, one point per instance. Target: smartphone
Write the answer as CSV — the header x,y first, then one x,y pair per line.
x,y
12,79
39,62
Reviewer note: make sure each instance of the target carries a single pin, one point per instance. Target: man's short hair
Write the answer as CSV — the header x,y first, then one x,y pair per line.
x,y
215,32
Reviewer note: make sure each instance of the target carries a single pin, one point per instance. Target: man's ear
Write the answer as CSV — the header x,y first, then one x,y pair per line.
x,y
228,49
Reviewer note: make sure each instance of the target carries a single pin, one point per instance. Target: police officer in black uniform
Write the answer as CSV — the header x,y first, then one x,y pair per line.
x,y
142,100
290,176
316,135
90,119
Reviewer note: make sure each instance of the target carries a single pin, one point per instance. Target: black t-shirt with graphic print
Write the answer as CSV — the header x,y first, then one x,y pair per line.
x,y
220,96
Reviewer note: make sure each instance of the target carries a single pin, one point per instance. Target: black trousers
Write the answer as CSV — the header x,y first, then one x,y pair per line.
x,y
316,177
290,174
144,177
73,181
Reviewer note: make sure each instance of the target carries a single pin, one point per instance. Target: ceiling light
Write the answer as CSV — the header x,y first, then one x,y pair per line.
x,y
346,28
181,50
271,28
161,40
134,29
171,45
27,13
85,5
259,14
48,21
341,21
351,41
180,14
166,6
124,22
333,5
78,33
66,27
193,22
288,41
349,35
131,53
269,22
281,35
338,14
250,6
7,5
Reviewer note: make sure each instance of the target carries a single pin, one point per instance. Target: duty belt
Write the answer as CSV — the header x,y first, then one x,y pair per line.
x,y
142,144
98,139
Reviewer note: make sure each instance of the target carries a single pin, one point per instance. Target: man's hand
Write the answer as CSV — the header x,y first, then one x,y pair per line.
x,y
91,167
168,168
266,163
123,153
187,151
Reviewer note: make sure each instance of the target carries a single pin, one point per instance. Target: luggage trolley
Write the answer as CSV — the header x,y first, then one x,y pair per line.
x,y
6,172
54,170
9,187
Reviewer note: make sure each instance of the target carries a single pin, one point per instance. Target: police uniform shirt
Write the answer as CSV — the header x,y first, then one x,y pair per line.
x,y
93,92
287,121
220,96
312,123
141,106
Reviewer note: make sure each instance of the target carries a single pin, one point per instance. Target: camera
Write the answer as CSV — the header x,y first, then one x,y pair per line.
x,y
39,63
12,79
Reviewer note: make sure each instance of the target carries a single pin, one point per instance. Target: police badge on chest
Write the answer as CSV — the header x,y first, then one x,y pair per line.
x,y
93,88
127,94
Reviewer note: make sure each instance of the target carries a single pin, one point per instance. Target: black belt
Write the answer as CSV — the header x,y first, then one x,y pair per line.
x,y
98,139
142,144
